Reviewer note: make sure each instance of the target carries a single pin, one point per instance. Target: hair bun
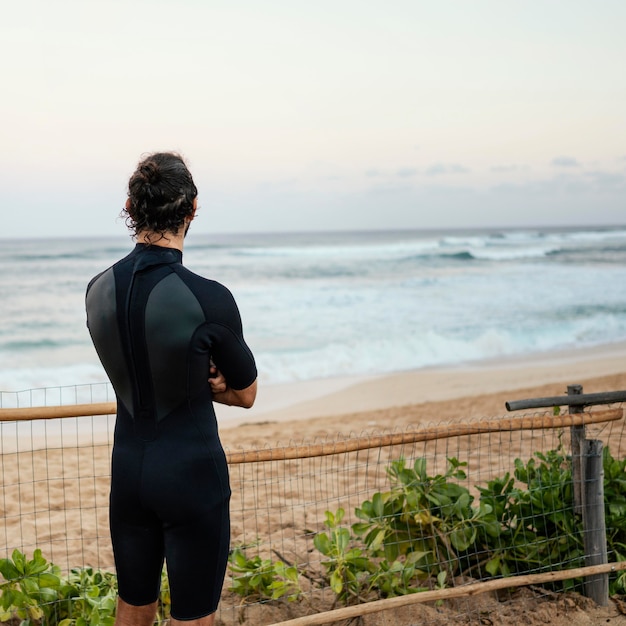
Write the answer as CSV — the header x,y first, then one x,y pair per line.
x,y
150,172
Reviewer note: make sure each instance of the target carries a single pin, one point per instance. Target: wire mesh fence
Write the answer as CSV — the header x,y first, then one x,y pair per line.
x,y
335,522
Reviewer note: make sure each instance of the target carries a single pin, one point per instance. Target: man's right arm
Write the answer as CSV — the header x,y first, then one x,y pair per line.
x,y
237,397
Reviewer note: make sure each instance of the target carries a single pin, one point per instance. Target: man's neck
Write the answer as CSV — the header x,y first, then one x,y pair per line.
x,y
169,240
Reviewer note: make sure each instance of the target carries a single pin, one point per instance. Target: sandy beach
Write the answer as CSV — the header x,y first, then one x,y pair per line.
x,y
56,497
316,408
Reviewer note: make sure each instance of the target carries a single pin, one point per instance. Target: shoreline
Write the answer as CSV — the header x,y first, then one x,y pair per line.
x,y
332,407
335,397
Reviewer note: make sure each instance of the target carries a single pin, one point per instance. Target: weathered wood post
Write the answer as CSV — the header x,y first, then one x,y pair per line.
x,y
587,480
596,587
577,435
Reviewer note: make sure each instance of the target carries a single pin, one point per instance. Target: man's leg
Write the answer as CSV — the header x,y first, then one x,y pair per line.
x,y
129,615
209,620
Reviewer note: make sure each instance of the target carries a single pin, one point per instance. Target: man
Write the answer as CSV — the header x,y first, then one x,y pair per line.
x,y
171,343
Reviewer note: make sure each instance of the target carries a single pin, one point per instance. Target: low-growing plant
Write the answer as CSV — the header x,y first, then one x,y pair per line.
x,y
427,523
539,529
35,593
262,578
348,567
31,588
90,598
419,534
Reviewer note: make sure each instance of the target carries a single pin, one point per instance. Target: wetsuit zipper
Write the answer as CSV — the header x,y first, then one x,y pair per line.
x,y
145,427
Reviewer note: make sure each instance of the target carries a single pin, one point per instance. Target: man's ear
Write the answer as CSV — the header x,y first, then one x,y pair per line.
x,y
195,208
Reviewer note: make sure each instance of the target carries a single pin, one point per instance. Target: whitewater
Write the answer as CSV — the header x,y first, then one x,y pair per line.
x,y
321,305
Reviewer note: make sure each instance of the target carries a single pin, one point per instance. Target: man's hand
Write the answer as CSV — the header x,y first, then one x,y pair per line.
x,y
223,394
217,380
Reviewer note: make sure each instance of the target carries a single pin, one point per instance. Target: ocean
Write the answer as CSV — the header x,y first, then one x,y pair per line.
x,y
318,305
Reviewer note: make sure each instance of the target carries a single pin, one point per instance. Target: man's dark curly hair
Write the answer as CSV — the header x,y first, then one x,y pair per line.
x,y
160,195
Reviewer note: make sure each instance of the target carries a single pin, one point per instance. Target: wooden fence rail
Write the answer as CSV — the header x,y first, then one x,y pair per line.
x,y
471,589
541,421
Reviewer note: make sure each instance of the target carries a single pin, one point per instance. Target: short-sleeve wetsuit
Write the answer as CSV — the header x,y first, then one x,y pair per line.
x,y
156,326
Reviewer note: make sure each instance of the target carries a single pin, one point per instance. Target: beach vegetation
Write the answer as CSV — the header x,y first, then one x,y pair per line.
x,y
31,588
423,532
348,567
88,597
539,527
426,530
34,592
258,578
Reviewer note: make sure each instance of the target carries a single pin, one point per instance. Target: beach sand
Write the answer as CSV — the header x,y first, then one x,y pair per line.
x,y
74,523
317,408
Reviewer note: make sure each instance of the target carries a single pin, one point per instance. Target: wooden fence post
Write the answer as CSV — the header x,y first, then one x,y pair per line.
x,y
577,434
594,527
587,482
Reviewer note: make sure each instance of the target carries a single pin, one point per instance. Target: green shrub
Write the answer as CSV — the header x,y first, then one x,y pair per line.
x,y
424,529
262,578
36,593
31,589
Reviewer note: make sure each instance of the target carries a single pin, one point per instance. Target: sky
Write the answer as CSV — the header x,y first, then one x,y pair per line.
x,y
325,115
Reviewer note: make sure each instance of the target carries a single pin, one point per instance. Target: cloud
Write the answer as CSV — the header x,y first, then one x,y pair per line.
x,y
509,168
406,172
372,173
390,188
446,168
603,180
284,184
588,185
565,161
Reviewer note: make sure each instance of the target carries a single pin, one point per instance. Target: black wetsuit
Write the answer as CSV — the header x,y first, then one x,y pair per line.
x,y
155,326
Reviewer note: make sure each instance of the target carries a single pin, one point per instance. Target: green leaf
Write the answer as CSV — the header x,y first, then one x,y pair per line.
x,y
492,528
391,551
336,583
462,538
343,539
493,565
378,540
462,503
238,558
20,561
415,557
441,578
8,570
49,580
360,528
322,543
339,516
6,600
291,573
378,505
420,469
30,585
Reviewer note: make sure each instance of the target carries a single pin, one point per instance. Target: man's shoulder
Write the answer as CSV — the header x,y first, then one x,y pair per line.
x,y
200,284
93,281
108,270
